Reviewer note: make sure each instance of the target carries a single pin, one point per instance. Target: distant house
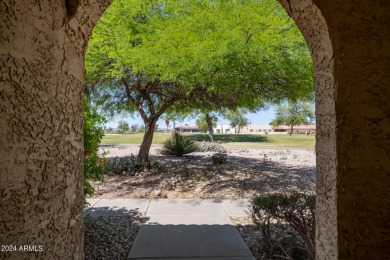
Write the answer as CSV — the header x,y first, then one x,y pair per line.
x,y
187,129
256,129
223,129
281,129
300,129
250,129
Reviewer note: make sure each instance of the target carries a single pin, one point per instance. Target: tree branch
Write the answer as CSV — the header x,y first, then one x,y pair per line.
x,y
135,102
145,95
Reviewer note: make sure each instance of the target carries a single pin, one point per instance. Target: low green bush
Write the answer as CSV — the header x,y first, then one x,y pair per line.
x,y
210,147
178,145
287,225
128,164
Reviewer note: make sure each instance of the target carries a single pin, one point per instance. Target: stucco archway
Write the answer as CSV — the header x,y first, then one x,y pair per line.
x,y
41,70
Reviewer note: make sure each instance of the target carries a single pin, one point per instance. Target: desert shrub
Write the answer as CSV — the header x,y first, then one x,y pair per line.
x,y
210,147
94,164
178,145
287,225
129,164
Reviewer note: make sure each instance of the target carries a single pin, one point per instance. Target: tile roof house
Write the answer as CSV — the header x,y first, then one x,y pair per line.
x,y
300,129
187,129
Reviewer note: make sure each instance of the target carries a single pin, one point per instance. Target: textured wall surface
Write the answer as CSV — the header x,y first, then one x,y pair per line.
x,y
41,120
42,47
313,26
360,33
350,44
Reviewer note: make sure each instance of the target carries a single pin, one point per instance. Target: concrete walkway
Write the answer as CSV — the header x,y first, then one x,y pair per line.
x,y
181,229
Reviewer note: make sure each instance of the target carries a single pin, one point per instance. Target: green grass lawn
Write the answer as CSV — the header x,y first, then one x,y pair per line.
x,y
229,140
158,138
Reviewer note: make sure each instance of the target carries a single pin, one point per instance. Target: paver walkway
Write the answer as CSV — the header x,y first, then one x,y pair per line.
x,y
182,228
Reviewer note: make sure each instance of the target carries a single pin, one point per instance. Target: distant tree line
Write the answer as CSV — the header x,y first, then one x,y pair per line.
x,y
124,128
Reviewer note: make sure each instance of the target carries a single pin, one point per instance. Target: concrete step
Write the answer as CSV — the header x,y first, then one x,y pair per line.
x,y
189,242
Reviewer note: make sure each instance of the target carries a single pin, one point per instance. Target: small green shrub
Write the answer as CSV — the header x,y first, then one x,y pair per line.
x,y
177,145
129,164
210,147
94,164
287,225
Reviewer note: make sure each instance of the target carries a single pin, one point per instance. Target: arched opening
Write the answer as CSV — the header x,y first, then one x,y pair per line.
x,y
113,36
42,49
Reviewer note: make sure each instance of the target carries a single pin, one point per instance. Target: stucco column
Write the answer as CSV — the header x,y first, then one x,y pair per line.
x,y
312,24
350,45
42,47
360,34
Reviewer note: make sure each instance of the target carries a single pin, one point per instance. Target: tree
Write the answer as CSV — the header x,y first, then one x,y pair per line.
x,y
293,114
206,123
123,126
154,57
237,118
134,128
167,123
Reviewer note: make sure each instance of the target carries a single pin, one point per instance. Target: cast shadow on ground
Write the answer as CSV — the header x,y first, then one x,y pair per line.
x,y
240,177
189,241
97,211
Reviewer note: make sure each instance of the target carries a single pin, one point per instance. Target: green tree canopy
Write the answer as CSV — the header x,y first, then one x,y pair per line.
x,y
123,126
202,124
206,121
293,114
151,57
237,118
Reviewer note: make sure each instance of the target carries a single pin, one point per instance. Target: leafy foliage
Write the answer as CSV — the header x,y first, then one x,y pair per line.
x,y
154,57
206,122
210,147
94,164
202,123
293,114
123,126
178,146
287,225
128,165
109,130
237,118
134,128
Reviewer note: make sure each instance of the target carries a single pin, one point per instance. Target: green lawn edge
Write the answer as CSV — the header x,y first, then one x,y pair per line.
x,y
228,140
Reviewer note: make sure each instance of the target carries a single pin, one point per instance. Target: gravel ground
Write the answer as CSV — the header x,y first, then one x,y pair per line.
x,y
247,172
110,237
249,233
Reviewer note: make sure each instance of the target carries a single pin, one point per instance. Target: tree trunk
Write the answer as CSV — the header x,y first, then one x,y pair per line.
x,y
143,153
174,128
292,129
210,127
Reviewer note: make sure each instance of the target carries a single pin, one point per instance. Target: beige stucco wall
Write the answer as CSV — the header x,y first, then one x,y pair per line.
x,y
41,126
350,43
41,86
359,31
313,26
